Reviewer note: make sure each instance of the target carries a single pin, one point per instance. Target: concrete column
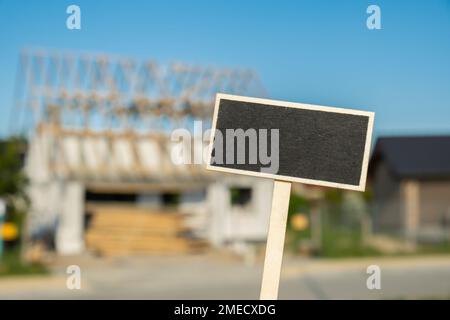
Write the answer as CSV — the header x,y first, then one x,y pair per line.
x,y
218,198
262,198
70,228
411,198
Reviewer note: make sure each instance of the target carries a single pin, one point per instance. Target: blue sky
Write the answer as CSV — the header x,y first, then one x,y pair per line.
x,y
317,52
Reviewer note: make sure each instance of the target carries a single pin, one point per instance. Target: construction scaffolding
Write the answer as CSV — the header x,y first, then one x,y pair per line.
x,y
102,124
108,105
102,92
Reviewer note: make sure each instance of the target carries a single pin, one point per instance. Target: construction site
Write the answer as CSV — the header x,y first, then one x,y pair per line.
x,y
107,185
101,176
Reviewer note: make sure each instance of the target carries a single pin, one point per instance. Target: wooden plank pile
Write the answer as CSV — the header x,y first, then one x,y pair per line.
x,y
130,230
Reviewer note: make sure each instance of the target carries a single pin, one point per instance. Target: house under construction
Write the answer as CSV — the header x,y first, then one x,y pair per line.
x,y
100,158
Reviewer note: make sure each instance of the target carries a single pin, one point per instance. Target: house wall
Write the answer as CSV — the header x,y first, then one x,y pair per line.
x,y
435,204
229,223
388,204
58,183
44,191
415,209
434,208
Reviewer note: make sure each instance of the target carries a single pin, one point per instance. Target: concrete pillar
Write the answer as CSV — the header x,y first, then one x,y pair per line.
x,y
262,202
218,197
411,198
70,228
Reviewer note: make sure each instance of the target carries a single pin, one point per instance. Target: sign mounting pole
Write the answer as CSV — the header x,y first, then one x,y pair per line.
x,y
275,240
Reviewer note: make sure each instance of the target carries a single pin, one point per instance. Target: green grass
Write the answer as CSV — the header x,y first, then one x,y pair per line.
x,y
443,248
339,242
343,243
11,264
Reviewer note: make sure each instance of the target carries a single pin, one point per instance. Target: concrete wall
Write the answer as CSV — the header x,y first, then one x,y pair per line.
x,y
235,223
435,210
435,203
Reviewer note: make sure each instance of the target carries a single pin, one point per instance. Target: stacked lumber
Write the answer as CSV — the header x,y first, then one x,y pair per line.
x,y
128,230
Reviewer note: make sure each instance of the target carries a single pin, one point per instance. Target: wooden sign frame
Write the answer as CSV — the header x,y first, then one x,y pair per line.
x,y
277,103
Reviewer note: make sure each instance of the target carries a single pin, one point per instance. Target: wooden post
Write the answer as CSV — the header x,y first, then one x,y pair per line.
x,y
275,240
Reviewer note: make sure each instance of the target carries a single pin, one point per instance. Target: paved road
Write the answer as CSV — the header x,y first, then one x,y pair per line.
x,y
214,277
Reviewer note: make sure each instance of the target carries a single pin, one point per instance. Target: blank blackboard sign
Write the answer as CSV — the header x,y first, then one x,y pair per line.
x,y
293,142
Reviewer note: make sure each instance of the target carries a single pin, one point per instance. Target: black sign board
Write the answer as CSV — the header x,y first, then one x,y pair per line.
x,y
293,142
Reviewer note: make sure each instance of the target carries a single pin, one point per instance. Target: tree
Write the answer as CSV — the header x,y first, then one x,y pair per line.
x,y
13,180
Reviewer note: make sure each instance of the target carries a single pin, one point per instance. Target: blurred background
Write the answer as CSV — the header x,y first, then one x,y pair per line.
x,y
87,176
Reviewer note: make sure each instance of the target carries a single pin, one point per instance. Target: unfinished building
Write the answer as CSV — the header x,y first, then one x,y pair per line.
x,y
100,158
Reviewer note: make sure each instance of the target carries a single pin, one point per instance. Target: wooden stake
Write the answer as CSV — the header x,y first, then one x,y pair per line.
x,y
275,240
